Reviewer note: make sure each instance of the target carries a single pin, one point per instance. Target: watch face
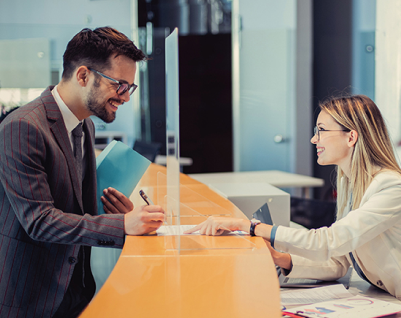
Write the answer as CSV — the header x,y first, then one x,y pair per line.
x,y
256,221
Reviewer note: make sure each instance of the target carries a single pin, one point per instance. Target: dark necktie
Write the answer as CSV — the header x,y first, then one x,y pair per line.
x,y
77,141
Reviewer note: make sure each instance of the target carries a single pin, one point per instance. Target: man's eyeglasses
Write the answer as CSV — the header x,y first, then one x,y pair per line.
x,y
317,131
122,87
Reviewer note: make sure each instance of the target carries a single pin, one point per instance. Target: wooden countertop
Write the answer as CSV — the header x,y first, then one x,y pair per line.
x,y
223,276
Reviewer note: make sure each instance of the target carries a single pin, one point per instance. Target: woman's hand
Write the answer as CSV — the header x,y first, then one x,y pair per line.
x,y
280,259
219,225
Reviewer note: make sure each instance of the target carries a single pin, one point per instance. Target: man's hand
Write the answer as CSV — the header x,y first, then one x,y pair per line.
x,y
116,202
138,221
143,219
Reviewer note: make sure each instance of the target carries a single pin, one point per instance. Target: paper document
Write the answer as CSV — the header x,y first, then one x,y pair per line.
x,y
174,230
350,307
180,229
313,295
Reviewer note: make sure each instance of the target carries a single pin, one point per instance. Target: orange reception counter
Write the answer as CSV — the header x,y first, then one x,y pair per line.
x,y
190,275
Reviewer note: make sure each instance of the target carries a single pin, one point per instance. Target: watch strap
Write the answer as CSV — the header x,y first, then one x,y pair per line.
x,y
253,226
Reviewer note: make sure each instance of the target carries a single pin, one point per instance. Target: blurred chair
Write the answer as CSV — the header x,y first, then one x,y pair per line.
x,y
311,213
147,149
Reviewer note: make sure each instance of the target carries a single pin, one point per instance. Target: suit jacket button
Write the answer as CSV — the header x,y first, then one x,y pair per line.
x,y
72,260
379,283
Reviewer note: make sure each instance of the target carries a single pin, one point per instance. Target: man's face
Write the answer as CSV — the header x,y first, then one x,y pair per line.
x,y
102,99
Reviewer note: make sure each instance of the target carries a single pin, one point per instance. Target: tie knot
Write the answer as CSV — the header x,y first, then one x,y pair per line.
x,y
77,131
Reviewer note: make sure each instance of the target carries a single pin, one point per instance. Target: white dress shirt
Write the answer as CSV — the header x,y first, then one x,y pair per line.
x,y
70,121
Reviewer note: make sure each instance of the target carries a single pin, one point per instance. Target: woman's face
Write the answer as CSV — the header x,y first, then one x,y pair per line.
x,y
334,146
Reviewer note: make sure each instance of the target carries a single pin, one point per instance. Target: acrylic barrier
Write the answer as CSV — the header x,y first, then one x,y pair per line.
x,y
179,201
172,124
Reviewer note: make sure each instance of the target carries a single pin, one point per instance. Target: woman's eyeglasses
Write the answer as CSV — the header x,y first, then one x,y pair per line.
x,y
317,131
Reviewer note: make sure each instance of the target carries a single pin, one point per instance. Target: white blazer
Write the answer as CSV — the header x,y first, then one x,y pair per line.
x,y
372,232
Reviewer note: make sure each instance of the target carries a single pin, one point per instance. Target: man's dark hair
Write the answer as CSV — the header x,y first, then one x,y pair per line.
x,y
93,49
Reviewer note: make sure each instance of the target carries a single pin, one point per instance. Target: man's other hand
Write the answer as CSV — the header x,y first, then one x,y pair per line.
x,y
114,202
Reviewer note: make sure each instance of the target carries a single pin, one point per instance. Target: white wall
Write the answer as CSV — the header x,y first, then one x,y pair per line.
x,y
388,64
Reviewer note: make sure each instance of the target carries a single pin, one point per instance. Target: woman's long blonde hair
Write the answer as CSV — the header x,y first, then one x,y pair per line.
x,y
372,150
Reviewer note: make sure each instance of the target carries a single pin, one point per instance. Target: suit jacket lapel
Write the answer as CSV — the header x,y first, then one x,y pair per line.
x,y
57,126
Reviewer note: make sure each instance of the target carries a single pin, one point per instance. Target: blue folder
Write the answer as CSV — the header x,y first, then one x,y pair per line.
x,y
120,167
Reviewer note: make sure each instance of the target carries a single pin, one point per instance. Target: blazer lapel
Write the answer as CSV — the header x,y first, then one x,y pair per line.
x,y
57,126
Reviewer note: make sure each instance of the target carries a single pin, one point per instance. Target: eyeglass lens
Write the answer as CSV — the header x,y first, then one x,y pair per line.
x,y
316,133
125,87
122,89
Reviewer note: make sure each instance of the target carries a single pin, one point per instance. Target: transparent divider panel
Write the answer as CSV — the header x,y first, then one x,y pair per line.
x,y
182,205
194,208
172,124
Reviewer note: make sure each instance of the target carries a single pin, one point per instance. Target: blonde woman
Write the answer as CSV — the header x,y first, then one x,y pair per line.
x,y
350,133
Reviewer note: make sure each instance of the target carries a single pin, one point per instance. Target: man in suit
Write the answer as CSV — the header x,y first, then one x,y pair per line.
x,y
48,209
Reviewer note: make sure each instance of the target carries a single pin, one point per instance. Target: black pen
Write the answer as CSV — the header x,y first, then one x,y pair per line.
x,y
145,198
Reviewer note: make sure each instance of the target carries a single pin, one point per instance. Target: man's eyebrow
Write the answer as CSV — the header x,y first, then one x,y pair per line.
x,y
124,81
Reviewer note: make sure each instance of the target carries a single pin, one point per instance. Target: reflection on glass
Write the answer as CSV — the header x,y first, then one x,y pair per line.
x,y
172,126
194,208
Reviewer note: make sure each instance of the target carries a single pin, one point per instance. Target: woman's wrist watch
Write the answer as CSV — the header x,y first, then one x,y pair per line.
x,y
254,222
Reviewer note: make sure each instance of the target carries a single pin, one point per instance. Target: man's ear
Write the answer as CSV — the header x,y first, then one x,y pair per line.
x,y
352,138
82,75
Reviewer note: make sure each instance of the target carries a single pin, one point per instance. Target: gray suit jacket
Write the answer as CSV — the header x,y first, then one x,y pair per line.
x,y
45,216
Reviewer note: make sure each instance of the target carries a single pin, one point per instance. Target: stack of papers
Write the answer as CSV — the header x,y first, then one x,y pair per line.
x,y
313,295
335,301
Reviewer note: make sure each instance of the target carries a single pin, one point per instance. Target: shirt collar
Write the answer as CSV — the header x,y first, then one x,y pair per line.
x,y
70,120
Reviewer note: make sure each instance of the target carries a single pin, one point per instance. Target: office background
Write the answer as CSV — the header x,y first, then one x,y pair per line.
x,y
251,71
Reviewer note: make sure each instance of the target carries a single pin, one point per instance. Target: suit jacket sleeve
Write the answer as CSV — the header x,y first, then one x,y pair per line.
x,y
37,179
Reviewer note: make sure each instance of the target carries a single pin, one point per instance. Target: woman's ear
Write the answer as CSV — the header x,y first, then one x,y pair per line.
x,y
352,138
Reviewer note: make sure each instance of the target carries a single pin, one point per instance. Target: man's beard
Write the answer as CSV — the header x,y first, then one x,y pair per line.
x,y
99,110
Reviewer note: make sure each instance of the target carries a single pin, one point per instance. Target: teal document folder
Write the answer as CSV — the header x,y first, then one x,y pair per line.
x,y
120,167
